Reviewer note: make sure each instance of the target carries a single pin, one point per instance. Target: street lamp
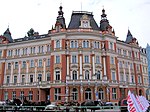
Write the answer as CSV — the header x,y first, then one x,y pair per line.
x,y
39,89
66,91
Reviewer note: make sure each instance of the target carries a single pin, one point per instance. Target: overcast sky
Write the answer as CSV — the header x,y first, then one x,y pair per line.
x,y
21,15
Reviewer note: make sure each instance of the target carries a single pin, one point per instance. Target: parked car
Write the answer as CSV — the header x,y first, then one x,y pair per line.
x,y
123,104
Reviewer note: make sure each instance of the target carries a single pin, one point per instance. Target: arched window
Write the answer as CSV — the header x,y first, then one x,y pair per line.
x,y
87,44
98,75
48,48
24,64
42,49
76,44
87,74
101,94
88,94
140,92
95,44
39,77
72,44
98,45
74,75
57,44
84,44
75,94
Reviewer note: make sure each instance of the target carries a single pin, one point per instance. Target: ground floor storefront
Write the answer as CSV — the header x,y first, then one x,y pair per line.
x,y
68,93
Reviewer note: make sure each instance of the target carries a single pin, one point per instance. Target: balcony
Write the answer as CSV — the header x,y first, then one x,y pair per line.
x,y
86,82
41,84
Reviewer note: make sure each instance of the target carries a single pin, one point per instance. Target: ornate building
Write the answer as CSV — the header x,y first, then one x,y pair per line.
x,y
80,62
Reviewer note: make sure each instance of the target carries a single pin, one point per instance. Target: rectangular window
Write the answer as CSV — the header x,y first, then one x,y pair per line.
x,y
74,59
57,43
48,77
30,95
23,79
132,78
97,59
40,62
48,48
120,64
114,93
39,49
42,49
10,53
0,53
86,59
39,77
57,75
5,95
31,78
8,80
57,59
119,51
57,94
111,46
124,52
9,66
48,62
121,78
126,64
139,79
24,64
16,65
33,50
15,79
13,94
22,95
127,78
31,63
113,75
131,66
112,60
129,53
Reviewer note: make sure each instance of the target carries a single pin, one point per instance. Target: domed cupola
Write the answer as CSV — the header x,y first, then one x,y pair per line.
x,y
104,23
7,34
60,22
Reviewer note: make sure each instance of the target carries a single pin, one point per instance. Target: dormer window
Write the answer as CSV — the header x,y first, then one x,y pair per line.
x,y
85,21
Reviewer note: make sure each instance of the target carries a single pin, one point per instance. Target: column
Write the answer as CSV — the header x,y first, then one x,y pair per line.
x,y
104,65
19,79
67,65
81,93
27,72
11,74
93,63
66,91
35,80
80,59
44,69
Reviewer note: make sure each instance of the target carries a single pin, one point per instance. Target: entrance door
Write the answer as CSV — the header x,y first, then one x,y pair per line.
x,y
47,91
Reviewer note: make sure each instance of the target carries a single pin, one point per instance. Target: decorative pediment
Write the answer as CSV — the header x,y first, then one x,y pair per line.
x,y
74,66
87,66
85,17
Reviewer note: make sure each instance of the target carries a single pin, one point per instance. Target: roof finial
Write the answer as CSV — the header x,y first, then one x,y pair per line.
x,y
61,3
8,25
81,5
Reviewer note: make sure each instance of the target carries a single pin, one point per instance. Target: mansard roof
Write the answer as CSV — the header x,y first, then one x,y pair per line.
x,y
75,20
129,37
